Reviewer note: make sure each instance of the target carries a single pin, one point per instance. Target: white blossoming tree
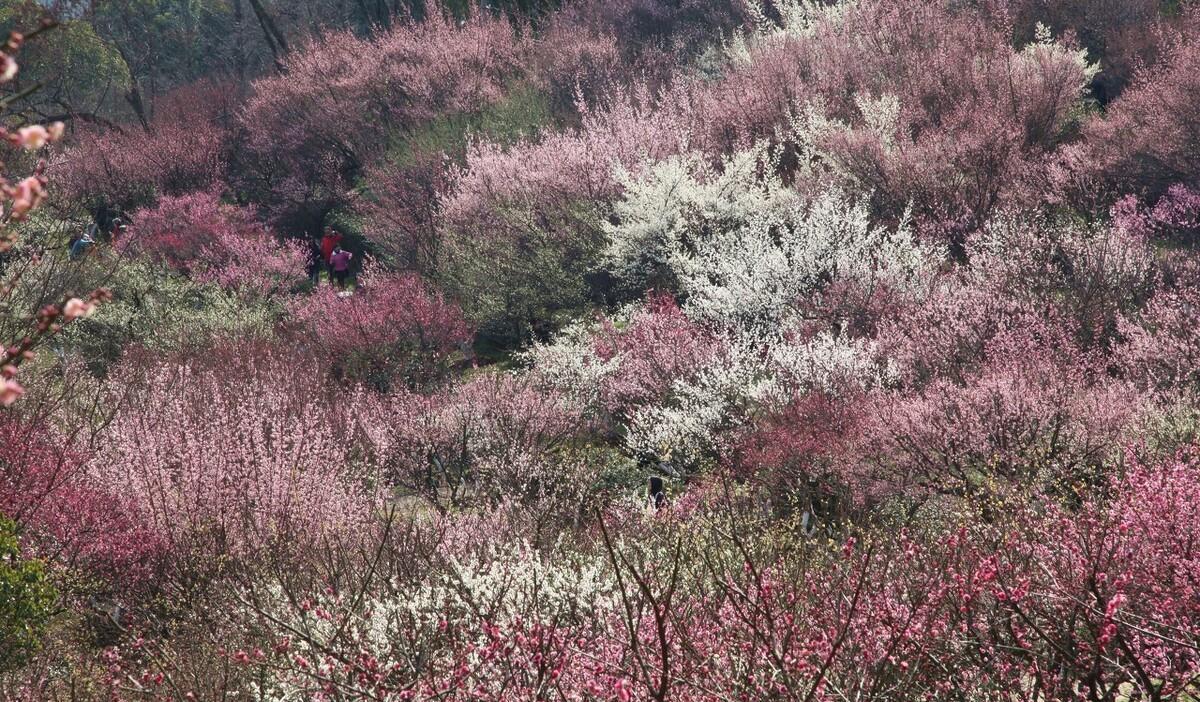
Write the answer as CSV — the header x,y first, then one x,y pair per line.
x,y
672,205
741,248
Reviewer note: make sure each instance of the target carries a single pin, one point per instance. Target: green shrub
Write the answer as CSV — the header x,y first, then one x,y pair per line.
x,y
159,309
26,600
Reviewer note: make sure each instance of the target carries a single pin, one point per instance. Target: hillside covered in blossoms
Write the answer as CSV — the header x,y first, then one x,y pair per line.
x,y
600,350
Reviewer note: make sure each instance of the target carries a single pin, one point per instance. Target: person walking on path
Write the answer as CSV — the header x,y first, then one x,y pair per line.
x,y
339,261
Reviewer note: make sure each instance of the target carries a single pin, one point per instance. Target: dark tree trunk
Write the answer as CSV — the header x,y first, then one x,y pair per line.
x,y
275,39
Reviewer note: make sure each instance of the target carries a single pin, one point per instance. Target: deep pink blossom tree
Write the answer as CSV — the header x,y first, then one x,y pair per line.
x,y
393,330
1097,597
74,522
793,452
657,347
216,242
116,171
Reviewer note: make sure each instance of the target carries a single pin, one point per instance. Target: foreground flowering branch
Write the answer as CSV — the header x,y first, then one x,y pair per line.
x,y
21,198
49,321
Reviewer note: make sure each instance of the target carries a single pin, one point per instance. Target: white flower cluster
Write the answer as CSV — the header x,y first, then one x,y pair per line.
x,y
569,363
669,205
826,362
686,427
1045,51
800,17
522,582
752,276
748,378
742,247
510,582
781,19
400,628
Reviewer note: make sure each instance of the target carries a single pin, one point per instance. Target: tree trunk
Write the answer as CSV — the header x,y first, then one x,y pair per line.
x,y
275,39
134,95
239,53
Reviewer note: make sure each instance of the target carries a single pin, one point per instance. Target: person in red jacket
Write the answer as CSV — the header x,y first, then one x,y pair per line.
x,y
329,242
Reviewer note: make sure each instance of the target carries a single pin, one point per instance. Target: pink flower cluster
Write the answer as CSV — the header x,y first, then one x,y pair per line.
x,y
182,150
233,457
70,519
489,439
1044,601
216,242
393,327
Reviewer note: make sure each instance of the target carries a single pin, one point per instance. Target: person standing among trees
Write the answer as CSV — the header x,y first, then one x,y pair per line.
x,y
315,262
329,242
339,262
79,246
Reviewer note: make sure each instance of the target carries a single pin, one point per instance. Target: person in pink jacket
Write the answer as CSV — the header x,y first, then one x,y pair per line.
x,y
339,261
